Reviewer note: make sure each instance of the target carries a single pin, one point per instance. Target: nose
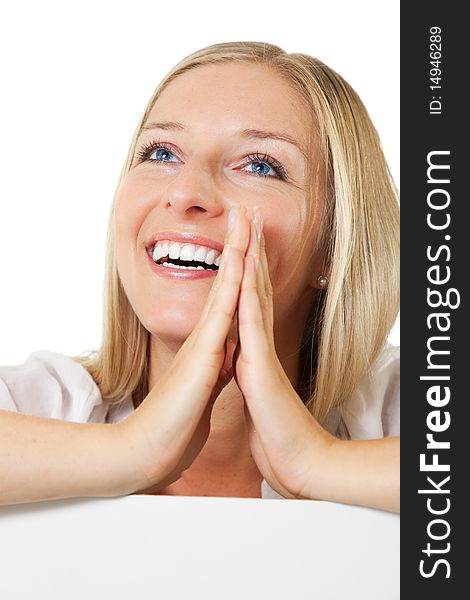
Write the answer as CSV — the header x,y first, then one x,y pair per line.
x,y
194,194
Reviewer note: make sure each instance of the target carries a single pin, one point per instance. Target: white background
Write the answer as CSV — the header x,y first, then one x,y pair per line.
x,y
176,547
75,80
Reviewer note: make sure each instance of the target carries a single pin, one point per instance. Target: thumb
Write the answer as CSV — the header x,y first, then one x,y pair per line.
x,y
226,372
230,346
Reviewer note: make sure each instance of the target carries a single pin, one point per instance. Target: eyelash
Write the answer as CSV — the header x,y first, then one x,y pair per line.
x,y
147,149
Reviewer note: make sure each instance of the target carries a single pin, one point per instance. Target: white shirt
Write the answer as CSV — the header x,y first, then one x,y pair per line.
x,y
49,384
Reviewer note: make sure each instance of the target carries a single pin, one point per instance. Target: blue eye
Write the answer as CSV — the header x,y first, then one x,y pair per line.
x,y
264,170
154,152
264,165
159,154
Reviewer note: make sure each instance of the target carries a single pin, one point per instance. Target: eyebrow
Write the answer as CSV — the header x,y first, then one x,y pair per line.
x,y
248,133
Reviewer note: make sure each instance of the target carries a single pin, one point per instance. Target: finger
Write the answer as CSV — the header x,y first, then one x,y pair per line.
x,y
227,370
261,249
230,346
264,280
218,314
257,249
252,333
253,245
236,238
228,261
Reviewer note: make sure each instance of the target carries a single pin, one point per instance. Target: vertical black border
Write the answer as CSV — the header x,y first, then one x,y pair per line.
x,y
422,132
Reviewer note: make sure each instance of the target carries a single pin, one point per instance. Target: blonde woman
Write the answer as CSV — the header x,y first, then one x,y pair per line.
x,y
251,283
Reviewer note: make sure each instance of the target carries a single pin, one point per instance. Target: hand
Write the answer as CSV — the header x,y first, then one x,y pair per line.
x,y
169,429
286,440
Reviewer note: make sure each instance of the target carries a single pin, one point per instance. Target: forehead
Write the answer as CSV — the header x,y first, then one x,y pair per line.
x,y
232,96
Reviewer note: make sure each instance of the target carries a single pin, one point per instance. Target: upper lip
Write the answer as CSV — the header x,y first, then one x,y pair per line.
x,y
184,237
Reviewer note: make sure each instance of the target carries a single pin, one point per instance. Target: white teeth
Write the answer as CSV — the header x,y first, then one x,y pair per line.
x,y
161,249
157,252
168,264
200,254
174,251
187,252
210,257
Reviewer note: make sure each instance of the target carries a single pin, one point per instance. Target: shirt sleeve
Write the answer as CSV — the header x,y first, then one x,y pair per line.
x,y
49,384
374,409
391,405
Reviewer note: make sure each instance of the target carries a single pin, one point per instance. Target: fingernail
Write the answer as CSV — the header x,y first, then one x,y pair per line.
x,y
232,217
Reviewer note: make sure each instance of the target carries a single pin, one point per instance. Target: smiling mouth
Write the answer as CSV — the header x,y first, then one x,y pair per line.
x,y
175,255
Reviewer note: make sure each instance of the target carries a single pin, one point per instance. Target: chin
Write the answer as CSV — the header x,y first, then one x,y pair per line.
x,y
172,323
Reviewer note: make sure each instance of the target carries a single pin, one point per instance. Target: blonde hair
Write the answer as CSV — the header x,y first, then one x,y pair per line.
x,y
351,319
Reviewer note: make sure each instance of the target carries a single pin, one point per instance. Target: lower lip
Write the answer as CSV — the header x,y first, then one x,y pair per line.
x,y
180,273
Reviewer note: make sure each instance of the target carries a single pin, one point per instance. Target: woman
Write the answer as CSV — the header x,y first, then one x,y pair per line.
x,y
242,355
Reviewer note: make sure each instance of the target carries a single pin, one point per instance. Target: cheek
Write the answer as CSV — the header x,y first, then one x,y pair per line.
x,y
282,229
132,206
291,262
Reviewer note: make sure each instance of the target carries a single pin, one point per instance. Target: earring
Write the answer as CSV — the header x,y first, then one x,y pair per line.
x,y
322,281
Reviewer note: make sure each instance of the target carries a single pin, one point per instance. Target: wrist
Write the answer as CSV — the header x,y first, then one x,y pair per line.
x,y
322,472
128,458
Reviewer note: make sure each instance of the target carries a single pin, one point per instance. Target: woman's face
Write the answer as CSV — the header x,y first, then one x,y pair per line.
x,y
208,144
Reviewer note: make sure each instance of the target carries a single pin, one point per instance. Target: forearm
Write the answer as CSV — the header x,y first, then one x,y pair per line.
x,y
360,472
47,459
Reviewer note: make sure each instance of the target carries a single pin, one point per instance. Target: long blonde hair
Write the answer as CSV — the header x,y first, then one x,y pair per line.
x,y
351,319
